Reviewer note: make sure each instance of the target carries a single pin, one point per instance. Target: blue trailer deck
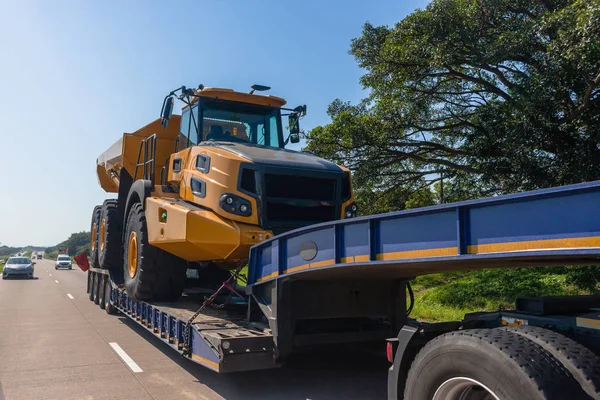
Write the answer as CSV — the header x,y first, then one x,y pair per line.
x,y
555,226
219,339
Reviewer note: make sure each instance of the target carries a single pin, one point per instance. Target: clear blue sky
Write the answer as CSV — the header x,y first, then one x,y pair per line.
x,y
75,75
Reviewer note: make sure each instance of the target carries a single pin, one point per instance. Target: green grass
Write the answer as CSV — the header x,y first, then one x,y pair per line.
x,y
3,258
448,296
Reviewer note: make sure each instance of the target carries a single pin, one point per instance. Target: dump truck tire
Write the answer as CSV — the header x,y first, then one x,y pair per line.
x,y
503,363
109,236
94,227
581,362
149,272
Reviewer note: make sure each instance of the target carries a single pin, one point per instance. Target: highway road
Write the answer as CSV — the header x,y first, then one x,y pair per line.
x,y
56,344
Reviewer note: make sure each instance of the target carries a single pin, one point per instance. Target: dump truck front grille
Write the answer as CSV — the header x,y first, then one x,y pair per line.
x,y
300,187
277,212
291,198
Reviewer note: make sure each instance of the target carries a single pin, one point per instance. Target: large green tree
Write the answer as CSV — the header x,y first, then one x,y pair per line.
x,y
495,95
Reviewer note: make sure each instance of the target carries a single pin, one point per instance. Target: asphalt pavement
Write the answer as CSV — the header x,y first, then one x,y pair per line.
x,y
56,344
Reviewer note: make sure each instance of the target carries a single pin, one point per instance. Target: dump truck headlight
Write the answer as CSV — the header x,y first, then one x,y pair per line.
x,y
235,205
351,210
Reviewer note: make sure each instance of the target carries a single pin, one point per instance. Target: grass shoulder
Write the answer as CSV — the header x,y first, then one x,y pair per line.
x,y
448,296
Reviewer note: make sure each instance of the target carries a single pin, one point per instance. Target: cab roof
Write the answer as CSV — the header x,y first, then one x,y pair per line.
x,y
231,95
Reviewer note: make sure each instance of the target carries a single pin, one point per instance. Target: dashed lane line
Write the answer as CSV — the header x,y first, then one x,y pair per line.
x,y
130,363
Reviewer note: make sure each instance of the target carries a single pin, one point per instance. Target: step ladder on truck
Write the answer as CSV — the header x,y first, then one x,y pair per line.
x,y
348,281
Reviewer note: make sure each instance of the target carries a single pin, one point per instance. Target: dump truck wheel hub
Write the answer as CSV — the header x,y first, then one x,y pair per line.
x,y
132,253
102,233
94,236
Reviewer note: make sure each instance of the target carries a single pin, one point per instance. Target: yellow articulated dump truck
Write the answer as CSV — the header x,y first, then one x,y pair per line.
x,y
197,190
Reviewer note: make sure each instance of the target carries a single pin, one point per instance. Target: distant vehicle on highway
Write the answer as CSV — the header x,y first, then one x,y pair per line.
x,y
39,256
63,261
19,267
2,261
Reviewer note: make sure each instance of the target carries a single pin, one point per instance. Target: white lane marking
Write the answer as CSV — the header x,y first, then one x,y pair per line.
x,y
70,296
50,274
130,363
55,281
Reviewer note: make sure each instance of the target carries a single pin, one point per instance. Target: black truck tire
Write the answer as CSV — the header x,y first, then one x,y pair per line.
x,y
581,362
96,287
101,291
149,272
94,229
108,306
494,360
90,285
109,236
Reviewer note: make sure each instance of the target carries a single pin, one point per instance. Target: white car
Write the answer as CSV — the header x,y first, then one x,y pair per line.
x,y
63,261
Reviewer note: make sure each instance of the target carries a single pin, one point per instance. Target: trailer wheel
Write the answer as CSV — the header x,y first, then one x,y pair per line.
x,y
108,306
487,364
109,236
91,285
101,291
95,225
583,364
149,272
96,288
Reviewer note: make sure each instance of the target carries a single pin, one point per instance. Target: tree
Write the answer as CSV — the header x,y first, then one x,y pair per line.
x,y
496,95
76,243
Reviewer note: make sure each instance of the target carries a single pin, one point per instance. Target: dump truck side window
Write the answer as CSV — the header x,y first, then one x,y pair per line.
x,y
184,129
273,138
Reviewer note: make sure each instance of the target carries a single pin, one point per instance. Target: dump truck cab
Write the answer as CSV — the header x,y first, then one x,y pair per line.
x,y
254,179
203,187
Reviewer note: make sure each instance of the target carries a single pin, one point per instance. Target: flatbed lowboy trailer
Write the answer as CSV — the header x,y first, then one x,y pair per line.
x,y
348,282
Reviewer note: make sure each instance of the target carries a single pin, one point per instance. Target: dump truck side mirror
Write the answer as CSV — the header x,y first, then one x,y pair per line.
x,y
167,111
294,124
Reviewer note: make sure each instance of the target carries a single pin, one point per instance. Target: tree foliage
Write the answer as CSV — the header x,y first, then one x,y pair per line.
x,y
76,244
496,95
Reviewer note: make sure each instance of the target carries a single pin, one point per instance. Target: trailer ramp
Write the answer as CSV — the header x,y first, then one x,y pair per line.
x,y
220,339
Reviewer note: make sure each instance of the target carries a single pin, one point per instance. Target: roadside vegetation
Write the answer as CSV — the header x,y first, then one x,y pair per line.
x,y
76,243
448,296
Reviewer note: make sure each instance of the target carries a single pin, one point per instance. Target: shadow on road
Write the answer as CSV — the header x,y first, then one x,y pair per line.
x,y
357,374
12,278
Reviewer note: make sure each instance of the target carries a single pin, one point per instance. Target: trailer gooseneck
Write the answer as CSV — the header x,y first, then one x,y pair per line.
x,y
347,281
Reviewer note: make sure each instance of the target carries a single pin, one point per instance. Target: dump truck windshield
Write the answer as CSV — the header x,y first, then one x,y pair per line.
x,y
235,122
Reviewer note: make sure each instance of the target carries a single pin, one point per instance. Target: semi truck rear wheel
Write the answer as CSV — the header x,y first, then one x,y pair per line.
x,y
149,272
578,359
490,364
109,236
94,235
